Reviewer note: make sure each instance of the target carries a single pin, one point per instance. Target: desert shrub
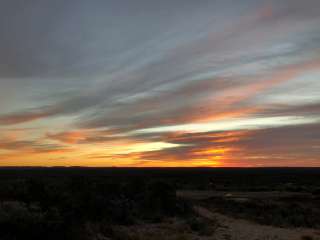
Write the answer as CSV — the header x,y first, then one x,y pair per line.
x,y
77,207
306,237
202,226
181,237
121,233
160,200
16,219
287,213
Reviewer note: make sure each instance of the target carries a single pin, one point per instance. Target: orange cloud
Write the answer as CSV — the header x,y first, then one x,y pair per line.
x,y
228,102
70,137
23,117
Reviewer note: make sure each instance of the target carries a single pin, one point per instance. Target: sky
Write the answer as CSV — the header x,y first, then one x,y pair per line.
x,y
207,83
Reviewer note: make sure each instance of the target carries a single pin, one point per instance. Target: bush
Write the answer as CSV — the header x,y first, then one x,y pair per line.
x,y
160,200
16,219
201,226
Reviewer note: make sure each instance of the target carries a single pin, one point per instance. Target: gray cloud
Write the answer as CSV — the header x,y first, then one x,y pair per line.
x,y
31,146
127,65
273,146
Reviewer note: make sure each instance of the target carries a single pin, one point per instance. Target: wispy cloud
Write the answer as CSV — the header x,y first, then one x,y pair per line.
x,y
188,84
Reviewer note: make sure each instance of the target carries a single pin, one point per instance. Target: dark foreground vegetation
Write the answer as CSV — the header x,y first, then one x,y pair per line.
x,y
82,203
302,211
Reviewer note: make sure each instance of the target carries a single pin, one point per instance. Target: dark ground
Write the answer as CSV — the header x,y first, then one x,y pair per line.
x,y
87,203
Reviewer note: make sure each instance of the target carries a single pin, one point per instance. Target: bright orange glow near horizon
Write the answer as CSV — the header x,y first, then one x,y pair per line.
x,y
206,84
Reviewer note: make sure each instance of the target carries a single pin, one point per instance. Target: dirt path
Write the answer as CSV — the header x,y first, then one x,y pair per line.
x,y
239,229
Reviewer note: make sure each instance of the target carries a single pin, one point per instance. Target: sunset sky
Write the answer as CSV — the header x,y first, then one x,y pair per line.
x,y
160,83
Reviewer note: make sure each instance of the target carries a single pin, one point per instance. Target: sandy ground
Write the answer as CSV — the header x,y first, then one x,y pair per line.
x,y
239,229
